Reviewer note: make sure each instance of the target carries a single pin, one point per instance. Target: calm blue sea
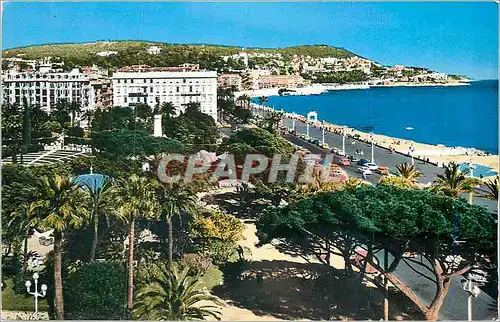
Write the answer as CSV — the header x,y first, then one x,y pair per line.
x,y
454,116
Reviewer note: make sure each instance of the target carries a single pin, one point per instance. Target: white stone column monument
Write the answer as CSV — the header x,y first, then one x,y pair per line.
x,y
157,126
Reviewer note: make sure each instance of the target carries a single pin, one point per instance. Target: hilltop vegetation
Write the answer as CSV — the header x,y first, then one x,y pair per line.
x,y
134,52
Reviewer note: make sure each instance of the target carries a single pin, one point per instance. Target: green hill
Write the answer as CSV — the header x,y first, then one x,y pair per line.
x,y
134,52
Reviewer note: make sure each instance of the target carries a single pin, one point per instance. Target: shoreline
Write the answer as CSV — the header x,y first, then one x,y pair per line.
x,y
439,154
318,89
402,84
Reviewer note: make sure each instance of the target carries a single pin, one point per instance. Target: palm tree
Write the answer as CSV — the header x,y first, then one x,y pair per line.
x,y
102,204
272,120
60,112
89,114
174,199
60,204
245,99
137,195
492,186
408,172
22,222
262,100
73,109
166,108
176,296
454,182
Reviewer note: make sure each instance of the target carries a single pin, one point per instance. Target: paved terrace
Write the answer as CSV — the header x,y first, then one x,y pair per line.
x,y
47,157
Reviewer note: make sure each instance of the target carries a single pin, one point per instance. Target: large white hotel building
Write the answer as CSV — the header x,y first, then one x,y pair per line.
x,y
46,88
178,85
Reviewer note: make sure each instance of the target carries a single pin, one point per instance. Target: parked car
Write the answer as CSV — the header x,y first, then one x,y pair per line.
x,y
382,170
372,166
315,141
335,150
325,146
364,170
344,161
362,162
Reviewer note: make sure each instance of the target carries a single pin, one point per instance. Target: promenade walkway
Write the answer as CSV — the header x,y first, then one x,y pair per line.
x,y
381,156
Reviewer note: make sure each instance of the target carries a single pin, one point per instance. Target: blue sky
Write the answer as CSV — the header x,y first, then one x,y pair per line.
x,y
450,37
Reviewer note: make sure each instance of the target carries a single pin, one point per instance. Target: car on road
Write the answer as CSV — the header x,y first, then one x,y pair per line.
x,y
314,141
344,161
372,166
335,150
325,146
337,172
362,162
365,170
353,159
382,170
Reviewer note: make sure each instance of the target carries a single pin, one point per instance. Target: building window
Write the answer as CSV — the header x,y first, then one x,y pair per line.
x,y
145,80
184,80
190,89
177,89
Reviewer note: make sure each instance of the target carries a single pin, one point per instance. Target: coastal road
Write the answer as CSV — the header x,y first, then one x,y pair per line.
x,y
382,157
454,305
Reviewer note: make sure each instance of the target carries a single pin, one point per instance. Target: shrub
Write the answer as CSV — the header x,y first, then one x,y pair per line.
x,y
218,225
219,251
76,131
96,291
197,263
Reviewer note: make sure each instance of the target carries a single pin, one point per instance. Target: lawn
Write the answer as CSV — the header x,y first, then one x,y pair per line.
x,y
20,302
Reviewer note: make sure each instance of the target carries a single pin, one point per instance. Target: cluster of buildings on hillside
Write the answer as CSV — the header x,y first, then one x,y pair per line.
x,y
45,82
94,88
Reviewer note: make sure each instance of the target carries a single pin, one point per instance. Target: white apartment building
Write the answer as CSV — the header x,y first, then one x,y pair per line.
x,y
45,88
154,50
177,87
107,53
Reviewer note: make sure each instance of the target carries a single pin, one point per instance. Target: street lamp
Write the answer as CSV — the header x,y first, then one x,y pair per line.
x,y
471,167
343,139
471,284
36,294
373,157
293,125
323,136
307,127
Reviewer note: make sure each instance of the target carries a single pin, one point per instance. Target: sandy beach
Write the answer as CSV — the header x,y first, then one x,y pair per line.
x,y
436,153
439,154
406,84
